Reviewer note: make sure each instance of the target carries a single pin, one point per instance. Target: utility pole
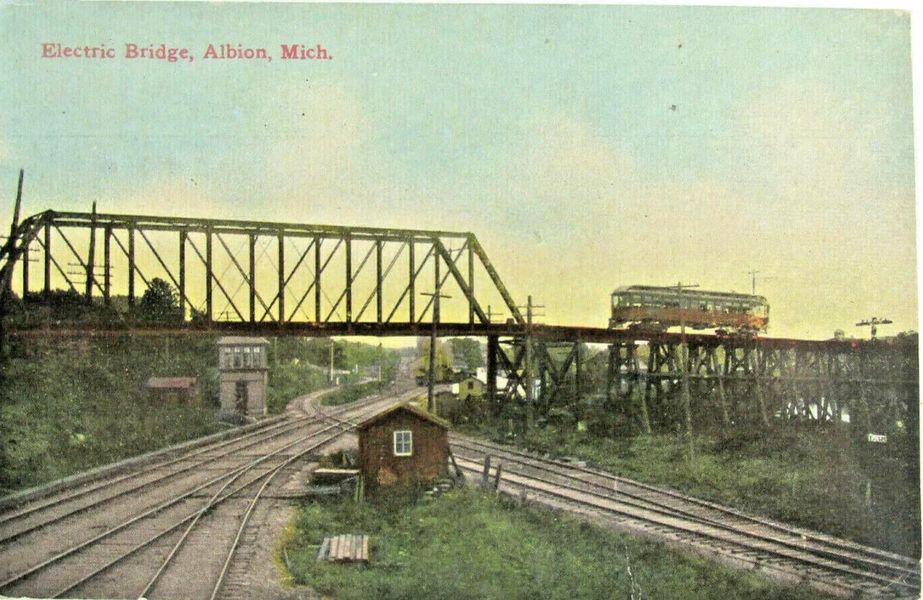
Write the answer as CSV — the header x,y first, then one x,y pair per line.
x,y
684,360
330,374
490,315
430,392
752,273
530,393
6,275
528,372
874,322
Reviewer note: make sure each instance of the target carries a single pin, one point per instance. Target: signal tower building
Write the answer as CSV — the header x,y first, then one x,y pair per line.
x,y
244,366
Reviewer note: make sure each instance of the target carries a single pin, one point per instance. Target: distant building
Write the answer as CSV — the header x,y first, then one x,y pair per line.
x,y
172,389
470,387
244,365
403,445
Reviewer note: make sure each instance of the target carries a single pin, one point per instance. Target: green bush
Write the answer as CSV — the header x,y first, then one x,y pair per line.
x,y
69,405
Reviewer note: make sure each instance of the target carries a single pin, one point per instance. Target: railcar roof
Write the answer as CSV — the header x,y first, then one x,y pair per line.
x,y
692,293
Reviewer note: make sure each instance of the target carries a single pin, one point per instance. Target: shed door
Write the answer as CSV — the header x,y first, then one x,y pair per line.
x,y
240,397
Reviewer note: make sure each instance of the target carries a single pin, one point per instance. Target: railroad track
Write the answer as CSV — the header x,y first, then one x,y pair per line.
x,y
792,554
154,532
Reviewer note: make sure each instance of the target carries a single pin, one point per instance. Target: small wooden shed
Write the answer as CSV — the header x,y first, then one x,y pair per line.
x,y
172,389
402,445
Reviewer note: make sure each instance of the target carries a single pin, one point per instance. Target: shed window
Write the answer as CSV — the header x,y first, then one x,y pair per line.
x,y
403,443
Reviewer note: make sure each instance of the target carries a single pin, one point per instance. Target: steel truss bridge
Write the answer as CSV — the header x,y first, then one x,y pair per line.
x,y
269,278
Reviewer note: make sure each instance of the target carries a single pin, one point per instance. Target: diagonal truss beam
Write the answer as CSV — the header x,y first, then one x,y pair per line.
x,y
271,301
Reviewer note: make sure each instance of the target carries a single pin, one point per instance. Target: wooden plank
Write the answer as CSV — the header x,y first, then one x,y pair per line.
x,y
365,548
334,547
324,547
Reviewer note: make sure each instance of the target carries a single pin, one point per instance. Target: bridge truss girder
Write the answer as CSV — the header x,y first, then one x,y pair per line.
x,y
257,272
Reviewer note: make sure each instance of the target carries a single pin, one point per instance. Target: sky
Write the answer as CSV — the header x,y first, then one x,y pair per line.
x,y
588,147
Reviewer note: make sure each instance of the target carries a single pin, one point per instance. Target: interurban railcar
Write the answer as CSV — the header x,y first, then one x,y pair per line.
x,y
659,308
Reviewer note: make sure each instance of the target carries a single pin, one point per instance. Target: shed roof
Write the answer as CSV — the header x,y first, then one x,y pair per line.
x,y
406,407
236,339
169,383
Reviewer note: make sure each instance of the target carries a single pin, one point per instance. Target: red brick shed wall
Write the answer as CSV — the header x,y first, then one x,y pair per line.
x,y
381,467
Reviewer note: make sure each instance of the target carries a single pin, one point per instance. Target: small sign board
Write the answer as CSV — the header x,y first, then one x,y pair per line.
x,y
878,438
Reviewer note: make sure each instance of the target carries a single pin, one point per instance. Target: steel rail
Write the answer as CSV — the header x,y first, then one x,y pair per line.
x,y
288,424
273,431
256,498
807,534
112,530
652,506
210,504
115,529
215,500
522,482
269,475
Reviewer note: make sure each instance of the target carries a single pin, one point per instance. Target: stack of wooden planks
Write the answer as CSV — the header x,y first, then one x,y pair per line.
x,y
345,548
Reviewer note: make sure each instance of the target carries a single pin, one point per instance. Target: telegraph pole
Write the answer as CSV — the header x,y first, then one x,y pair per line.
x,y
530,394
684,359
6,275
528,373
752,273
873,439
330,373
874,322
430,393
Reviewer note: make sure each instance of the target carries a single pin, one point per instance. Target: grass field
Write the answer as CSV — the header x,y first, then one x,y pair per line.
x,y
466,544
